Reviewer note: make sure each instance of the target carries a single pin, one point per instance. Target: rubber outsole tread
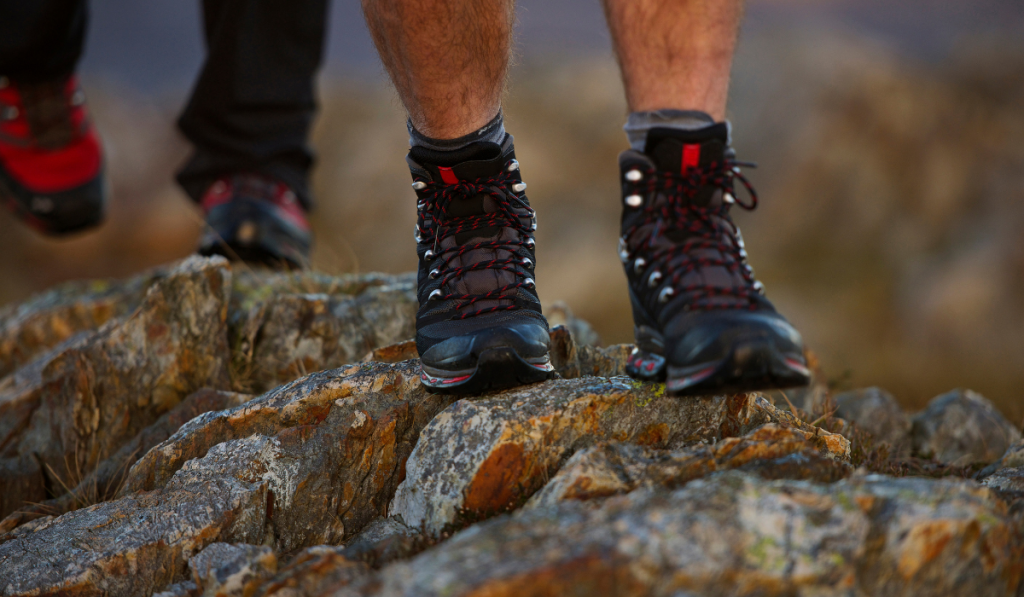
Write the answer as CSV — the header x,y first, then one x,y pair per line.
x,y
496,369
748,368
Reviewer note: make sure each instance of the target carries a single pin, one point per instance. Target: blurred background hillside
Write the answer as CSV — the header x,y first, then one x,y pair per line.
x,y
890,138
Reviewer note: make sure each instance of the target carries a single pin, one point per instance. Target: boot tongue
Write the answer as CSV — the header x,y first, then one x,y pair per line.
x,y
679,150
477,160
676,150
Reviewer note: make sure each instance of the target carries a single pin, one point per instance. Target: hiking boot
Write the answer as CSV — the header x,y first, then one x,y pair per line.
x,y
255,219
701,320
479,325
51,163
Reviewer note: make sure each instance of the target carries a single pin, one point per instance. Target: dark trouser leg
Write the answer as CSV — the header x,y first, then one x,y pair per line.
x,y
253,104
41,39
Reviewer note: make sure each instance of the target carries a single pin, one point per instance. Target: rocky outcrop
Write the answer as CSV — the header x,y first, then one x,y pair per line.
x,y
354,480
480,457
102,391
875,411
289,324
225,570
731,534
46,320
103,482
772,451
962,427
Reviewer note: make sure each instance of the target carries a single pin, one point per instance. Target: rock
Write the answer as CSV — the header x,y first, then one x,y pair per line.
x,y
393,353
225,570
875,411
559,314
962,427
730,534
47,319
481,457
341,441
179,589
1013,458
286,325
314,571
141,543
1006,479
383,541
771,450
572,359
103,482
98,394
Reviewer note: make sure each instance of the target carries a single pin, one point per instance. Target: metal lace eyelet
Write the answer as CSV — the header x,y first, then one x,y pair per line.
x,y
436,294
419,185
533,222
527,262
529,283
435,274
634,175
429,255
654,279
759,287
519,187
530,243
634,200
639,264
665,294
727,198
623,250
512,166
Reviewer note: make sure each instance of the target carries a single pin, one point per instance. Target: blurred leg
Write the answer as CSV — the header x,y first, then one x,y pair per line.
x,y
254,102
447,58
41,40
675,54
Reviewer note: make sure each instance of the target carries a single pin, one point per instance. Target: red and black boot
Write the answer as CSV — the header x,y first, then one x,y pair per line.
x,y
701,320
255,219
51,162
479,326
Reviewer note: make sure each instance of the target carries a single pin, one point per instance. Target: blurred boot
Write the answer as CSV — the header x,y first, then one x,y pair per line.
x,y
255,219
701,320
51,163
249,119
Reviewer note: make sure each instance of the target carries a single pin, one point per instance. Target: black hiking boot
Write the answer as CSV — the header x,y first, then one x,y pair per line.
x,y
479,326
257,220
701,319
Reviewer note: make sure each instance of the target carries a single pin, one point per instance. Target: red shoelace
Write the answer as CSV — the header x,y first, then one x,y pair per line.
x,y
435,221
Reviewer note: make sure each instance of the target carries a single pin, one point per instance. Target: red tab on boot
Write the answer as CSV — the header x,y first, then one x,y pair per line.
x,y
691,155
447,175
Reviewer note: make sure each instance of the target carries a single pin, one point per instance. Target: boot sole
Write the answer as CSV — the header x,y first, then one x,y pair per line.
x,y
496,369
750,366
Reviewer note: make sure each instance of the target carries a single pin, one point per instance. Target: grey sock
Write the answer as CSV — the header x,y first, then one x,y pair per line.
x,y
493,131
639,123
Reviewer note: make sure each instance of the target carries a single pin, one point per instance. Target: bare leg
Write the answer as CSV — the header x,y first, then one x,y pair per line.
x,y
675,53
447,58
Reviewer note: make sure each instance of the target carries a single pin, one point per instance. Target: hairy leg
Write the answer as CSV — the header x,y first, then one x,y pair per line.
x,y
447,58
675,53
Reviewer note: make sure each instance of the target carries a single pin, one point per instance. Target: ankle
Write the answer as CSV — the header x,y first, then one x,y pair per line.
x,y
492,132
